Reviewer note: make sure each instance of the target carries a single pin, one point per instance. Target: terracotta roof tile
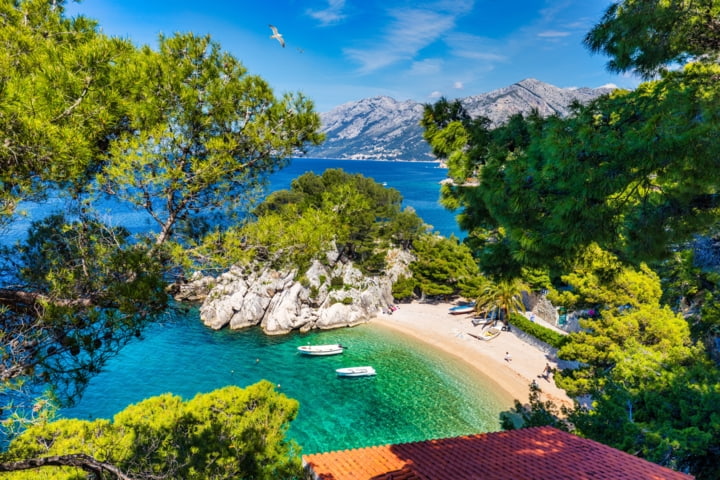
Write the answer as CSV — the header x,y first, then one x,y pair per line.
x,y
529,454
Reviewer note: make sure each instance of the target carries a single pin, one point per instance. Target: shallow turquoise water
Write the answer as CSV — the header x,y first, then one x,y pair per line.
x,y
417,394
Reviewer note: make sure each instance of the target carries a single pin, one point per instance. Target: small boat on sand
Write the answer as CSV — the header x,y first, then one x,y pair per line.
x,y
482,321
331,349
488,334
355,372
486,319
462,308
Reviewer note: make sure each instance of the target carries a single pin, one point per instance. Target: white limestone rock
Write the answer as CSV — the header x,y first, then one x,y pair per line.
x,y
279,302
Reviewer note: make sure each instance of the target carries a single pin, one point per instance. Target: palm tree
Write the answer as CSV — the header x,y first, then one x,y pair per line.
x,y
504,295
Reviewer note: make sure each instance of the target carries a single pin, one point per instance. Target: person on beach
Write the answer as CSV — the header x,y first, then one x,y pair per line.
x,y
508,357
547,371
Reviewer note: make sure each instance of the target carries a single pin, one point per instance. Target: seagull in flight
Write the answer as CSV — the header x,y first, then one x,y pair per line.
x,y
277,35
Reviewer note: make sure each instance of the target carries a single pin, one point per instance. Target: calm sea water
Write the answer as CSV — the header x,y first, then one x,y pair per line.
x,y
418,393
418,182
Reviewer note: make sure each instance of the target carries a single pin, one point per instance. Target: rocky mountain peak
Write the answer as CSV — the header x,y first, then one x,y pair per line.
x,y
387,129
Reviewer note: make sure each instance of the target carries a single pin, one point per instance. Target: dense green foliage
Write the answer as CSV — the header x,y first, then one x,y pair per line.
x,y
203,136
182,133
694,289
592,178
652,387
59,102
337,210
453,135
231,433
544,334
444,267
630,342
594,201
92,289
598,279
644,36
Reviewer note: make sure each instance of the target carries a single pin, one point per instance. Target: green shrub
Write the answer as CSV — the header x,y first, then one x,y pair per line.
x,y
551,337
404,288
344,301
336,283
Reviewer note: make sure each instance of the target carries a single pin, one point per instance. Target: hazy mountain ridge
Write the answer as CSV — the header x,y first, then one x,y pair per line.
x,y
384,128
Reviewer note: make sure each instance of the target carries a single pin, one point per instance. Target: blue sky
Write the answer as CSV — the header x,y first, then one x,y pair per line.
x,y
339,51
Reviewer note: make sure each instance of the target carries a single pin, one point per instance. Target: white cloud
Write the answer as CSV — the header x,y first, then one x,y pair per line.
x,y
553,34
458,85
410,30
330,15
475,48
435,94
426,67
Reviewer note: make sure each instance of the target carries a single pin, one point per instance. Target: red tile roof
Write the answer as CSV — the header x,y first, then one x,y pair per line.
x,y
538,453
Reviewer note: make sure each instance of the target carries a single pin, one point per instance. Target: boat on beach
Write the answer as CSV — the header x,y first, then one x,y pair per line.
x,y
462,308
355,372
482,321
486,319
331,349
488,334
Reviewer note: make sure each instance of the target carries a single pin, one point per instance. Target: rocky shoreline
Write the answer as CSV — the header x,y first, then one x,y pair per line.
x,y
330,294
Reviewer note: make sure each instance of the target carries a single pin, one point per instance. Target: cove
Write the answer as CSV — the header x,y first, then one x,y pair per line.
x,y
418,393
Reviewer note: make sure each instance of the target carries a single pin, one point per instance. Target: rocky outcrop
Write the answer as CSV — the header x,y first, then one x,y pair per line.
x,y
329,294
540,306
196,290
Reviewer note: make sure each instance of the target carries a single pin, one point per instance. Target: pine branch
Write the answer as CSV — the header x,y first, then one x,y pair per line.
x,y
79,460
29,301
77,101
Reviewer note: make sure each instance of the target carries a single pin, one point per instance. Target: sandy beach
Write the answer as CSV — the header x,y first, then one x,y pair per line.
x,y
431,323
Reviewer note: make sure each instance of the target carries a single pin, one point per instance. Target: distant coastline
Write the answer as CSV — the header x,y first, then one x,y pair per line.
x,y
396,160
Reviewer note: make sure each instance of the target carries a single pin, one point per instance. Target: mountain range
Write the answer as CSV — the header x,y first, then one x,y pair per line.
x,y
383,128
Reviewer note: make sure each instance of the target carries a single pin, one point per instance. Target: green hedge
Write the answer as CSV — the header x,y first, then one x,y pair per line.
x,y
551,337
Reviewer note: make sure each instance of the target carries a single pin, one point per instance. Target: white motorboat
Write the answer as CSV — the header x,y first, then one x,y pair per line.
x,y
355,372
331,349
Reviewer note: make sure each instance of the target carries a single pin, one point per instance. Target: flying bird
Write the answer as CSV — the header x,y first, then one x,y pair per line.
x,y
276,35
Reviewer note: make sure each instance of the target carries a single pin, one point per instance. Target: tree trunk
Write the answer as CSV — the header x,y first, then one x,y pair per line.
x,y
29,301
79,460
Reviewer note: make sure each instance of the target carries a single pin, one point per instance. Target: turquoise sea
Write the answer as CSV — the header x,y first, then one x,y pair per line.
x,y
419,393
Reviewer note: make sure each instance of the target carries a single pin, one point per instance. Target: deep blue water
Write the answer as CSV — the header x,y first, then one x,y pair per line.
x,y
418,393
418,182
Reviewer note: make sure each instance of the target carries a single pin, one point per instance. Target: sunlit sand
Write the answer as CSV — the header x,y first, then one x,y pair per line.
x,y
432,324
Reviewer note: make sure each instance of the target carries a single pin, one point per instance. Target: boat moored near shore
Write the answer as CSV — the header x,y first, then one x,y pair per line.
x,y
331,349
355,372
